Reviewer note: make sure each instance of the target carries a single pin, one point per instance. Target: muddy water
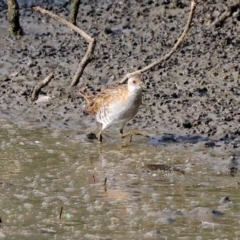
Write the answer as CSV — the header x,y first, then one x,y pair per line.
x,y
42,171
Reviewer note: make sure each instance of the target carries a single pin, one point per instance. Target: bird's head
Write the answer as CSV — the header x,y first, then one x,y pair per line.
x,y
135,82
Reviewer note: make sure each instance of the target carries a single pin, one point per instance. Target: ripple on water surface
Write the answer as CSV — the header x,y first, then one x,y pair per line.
x,y
112,192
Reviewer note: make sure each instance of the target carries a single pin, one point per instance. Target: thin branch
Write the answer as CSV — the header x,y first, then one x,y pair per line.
x,y
13,18
41,85
61,211
168,55
86,59
92,43
105,184
65,22
74,11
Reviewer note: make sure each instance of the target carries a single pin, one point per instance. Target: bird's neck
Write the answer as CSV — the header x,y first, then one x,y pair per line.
x,y
135,94
134,90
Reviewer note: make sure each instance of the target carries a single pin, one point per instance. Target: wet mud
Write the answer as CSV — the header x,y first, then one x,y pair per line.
x,y
193,97
183,181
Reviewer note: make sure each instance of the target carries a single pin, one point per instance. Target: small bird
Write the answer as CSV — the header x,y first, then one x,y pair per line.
x,y
116,105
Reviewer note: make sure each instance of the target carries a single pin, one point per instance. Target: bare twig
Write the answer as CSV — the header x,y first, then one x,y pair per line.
x,y
86,59
41,85
105,184
168,55
13,18
60,214
231,9
92,43
65,22
74,11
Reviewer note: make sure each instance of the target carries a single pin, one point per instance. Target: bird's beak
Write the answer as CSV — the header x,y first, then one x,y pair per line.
x,y
142,85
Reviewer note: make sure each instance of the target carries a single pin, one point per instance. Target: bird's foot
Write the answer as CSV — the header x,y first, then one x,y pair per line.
x,y
133,132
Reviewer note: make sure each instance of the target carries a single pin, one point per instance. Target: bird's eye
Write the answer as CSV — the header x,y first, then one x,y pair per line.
x,y
134,81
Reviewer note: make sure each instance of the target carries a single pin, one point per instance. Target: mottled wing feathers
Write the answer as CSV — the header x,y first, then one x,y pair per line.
x,y
104,98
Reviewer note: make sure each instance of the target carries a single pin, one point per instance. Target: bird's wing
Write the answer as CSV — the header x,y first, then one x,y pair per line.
x,y
105,97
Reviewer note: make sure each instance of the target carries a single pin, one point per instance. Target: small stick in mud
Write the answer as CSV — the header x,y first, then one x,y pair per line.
x,y
94,180
61,211
92,43
105,184
228,13
74,11
86,59
168,55
41,85
14,27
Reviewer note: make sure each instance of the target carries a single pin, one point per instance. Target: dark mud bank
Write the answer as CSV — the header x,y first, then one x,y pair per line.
x,y
196,92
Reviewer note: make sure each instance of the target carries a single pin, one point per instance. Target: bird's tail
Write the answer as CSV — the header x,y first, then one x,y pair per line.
x,y
87,96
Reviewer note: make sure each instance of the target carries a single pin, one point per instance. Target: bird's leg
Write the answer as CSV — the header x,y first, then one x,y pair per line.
x,y
122,135
131,133
100,136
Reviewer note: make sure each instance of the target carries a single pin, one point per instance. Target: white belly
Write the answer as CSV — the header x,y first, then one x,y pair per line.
x,y
119,112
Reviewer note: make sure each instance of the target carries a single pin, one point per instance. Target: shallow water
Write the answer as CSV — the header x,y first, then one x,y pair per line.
x,y
42,170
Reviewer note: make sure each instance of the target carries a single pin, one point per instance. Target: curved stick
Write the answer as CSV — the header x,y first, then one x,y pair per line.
x,y
65,22
86,59
168,55
41,85
74,11
92,43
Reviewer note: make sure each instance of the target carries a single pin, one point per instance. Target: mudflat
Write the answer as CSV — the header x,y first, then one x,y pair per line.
x,y
195,92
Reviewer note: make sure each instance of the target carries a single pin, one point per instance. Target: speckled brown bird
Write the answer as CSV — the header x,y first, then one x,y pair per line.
x,y
116,105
